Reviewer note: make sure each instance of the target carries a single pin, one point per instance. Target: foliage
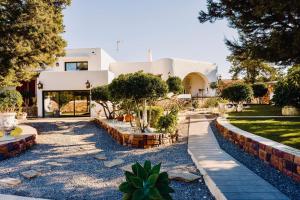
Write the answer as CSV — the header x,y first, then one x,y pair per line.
x,y
268,29
146,183
31,37
213,85
102,95
195,104
10,101
287,91
175,85
252,70
156,113
259,90
16,132
237,92
167,123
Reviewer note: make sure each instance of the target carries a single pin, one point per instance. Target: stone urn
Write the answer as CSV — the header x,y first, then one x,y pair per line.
x,y
8,121
290,111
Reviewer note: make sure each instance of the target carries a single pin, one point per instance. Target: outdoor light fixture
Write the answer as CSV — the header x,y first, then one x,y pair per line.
x,y
87,84
40,85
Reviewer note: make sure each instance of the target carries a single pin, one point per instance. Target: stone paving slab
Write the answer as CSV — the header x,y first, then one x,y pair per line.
x,y
225,177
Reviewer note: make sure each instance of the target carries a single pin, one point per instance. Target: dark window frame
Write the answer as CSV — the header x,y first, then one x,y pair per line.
x,y
76,62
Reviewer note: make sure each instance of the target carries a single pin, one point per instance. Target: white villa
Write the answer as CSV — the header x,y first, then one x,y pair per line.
x,y
64,89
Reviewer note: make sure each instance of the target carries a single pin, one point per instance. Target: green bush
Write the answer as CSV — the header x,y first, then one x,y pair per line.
x,y
213,102
167,123
195,104
259,90
237,92
10,101
175,85
156,113
146,183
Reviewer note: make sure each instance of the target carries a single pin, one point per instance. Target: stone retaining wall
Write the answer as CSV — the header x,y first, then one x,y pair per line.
x,y
284,158
135,140
14,147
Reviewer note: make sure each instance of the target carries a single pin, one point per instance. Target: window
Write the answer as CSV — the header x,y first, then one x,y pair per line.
x,y
76,66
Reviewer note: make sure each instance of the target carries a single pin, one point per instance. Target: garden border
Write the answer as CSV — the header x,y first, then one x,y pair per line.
x,y
283,158
145,140
18,145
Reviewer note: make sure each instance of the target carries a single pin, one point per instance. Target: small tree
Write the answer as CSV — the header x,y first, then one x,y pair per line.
x,y
238,92
103,96
175,85
259,90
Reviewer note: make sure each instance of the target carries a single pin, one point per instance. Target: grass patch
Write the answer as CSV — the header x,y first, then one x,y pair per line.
x,y
258,110
283,130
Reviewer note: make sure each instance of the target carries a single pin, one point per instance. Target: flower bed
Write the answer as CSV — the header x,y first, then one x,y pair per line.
x,y
127,136
14,146
285,159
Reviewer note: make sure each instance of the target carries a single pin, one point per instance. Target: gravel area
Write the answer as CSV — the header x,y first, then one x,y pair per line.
x,y
283,183
79,175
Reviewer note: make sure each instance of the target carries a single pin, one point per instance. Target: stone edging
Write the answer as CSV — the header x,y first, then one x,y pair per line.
x,y
14,147
135,140
284,158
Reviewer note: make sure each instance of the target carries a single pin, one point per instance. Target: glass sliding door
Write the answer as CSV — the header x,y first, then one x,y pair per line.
x,y
66,103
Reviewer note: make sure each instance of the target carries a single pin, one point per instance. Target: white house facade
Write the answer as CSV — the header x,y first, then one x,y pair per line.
x,y
64,89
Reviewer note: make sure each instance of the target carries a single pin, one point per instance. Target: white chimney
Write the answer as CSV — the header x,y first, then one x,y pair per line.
x,y
149,55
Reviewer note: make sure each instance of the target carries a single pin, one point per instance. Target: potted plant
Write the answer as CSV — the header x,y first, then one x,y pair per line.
x,y
10,103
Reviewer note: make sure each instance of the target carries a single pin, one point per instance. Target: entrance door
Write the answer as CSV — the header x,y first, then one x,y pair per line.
x,y
66,103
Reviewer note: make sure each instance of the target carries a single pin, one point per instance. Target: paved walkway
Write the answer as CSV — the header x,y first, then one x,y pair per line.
x,y
225,177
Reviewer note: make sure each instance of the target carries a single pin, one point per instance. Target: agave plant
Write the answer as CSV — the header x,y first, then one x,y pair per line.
x,y
146,183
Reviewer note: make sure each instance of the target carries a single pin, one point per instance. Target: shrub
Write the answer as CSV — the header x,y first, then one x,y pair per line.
x,y
10,101
146,182
259,90
175,85
213,85
167,123
287,91
237,92
16,132
211,102
156,113
195,104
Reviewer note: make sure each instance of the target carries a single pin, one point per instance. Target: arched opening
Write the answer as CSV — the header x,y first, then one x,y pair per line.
x,y
195,84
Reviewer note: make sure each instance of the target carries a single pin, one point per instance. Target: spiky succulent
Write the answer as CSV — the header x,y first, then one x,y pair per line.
x,y
146,183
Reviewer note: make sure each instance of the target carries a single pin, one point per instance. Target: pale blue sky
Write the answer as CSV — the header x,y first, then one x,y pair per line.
x,y
170,28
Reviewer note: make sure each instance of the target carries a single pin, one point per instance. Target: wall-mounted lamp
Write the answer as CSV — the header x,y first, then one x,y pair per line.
x,y
40,85
87,84
57,64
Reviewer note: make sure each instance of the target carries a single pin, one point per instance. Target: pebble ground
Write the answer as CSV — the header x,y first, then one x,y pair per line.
x,y
85,177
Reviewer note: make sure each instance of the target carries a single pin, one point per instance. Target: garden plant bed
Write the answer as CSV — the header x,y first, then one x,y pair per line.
x,y
14,146
258,110
281,157
127,136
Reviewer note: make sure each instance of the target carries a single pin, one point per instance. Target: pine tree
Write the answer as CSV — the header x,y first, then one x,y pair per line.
x,y
30,37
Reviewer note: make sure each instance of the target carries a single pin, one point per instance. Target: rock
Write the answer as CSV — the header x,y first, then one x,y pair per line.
x,y
181,175
40,168
63,160
56,164
30,174
127,167
10,181
113,163
100,157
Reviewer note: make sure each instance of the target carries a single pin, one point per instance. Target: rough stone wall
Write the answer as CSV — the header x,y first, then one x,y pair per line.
x,y
135,140
286,162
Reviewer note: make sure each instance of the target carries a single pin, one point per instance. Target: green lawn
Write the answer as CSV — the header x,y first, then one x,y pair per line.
x,y
283,130
258,110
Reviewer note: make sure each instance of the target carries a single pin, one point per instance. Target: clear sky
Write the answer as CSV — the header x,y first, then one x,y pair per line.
x,y
170,28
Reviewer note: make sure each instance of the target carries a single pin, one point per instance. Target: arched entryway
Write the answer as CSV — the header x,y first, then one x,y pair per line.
x,y
195,84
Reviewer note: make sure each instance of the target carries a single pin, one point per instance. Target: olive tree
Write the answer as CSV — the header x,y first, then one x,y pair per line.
x,y
237,92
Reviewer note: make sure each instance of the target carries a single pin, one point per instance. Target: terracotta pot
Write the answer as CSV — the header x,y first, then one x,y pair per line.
x,y
128,118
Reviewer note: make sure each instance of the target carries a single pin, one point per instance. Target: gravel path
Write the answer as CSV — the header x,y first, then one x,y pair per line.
x,y
82,176
283,183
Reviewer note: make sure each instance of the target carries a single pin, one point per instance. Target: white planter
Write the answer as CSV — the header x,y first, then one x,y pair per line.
x,y
290,111
7,121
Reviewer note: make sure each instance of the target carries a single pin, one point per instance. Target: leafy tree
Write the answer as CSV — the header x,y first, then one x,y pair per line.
x,y
237,92
259,90
269,29
30,37
175,85
252,70
287,91
102,95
